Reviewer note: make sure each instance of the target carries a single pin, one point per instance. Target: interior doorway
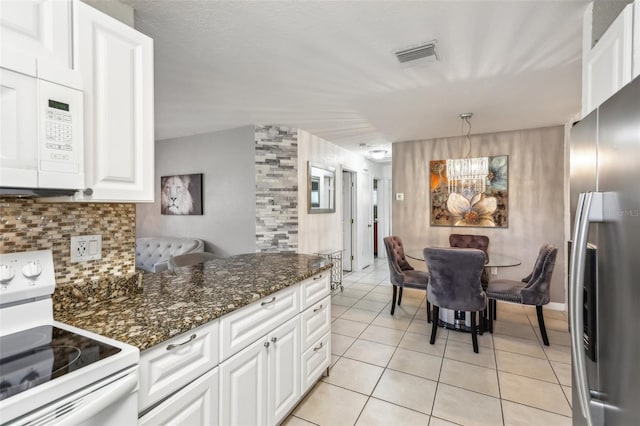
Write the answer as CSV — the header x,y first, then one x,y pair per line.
x,y
348,219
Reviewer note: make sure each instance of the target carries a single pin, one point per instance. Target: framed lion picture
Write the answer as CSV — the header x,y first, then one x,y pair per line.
x,y
181,194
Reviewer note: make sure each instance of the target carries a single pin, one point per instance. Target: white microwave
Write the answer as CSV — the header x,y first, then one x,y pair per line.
x,y
41,130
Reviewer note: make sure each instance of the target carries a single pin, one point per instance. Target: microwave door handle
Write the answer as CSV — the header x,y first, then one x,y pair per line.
x,y
589,210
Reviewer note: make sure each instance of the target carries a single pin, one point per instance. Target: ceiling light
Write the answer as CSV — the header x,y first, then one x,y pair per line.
x,y
378,154
467,175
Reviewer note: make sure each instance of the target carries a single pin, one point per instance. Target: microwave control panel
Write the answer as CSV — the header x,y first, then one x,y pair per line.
x,y
61,134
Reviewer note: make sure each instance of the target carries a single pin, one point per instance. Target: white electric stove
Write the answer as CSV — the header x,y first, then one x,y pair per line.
x,y
50,372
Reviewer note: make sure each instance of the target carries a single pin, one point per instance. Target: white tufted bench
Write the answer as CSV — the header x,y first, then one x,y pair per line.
x,y
153,253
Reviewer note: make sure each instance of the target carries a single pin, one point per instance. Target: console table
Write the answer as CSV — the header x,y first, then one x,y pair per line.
x,y
335,257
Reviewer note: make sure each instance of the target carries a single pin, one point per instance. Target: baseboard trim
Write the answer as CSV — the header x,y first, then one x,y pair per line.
x,y
555,306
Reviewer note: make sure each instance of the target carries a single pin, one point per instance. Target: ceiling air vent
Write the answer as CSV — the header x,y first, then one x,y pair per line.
x,y
427,50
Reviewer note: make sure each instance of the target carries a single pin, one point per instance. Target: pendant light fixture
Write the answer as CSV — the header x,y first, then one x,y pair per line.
x,y
467,176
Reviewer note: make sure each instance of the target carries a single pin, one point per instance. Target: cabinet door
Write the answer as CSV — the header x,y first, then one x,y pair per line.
x,y
40,30
243,386
607,67
195,404
116,63
284,370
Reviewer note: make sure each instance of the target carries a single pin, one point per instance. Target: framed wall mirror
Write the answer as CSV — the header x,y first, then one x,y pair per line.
x,y
321,187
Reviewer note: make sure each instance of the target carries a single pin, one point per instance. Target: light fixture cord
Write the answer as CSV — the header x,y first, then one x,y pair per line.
x,y
468,121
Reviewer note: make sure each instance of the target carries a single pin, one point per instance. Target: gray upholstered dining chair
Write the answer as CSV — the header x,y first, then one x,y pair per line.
x,y
531,290
402,274
480,242
454,283
187,259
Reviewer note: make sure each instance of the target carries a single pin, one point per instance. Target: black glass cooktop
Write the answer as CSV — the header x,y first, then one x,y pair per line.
x,y
35,356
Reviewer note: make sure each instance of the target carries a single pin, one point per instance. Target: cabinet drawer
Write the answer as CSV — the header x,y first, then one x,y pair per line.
x,y
316,321
167,367
195,404
315,289
315,360
244,326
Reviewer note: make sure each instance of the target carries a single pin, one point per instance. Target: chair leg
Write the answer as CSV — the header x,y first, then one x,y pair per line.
x,y
393,300
495,310
474,331
490,316
400,296
434,324
543,330
428,312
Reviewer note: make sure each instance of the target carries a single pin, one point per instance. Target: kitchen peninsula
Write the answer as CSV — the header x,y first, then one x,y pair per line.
x,y
207,331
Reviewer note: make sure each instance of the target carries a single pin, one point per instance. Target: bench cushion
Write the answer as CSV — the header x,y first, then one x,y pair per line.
x,y
153,253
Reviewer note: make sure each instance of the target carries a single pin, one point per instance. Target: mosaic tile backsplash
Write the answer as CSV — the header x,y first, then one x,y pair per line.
x,y
28,224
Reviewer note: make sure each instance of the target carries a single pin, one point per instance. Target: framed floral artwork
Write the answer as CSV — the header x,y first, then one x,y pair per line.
x,y
471,208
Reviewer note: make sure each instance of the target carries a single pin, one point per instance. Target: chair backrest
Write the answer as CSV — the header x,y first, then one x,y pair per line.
x,y
480,242
187,259
396,258
536,292
454,278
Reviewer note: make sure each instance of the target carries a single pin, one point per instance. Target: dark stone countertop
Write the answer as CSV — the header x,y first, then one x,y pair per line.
x,y
173,302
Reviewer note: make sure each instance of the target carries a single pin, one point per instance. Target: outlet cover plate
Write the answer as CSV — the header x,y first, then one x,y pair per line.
x,y
86,247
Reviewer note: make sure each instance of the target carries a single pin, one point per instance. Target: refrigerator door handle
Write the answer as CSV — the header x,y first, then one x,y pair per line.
x,y
589,210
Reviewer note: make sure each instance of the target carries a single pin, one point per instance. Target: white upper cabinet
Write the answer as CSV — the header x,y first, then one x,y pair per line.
x,y
636,39
607,67
116,63
39,30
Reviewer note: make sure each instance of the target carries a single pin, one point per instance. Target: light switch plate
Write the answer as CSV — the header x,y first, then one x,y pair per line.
x,y
86,247
399,196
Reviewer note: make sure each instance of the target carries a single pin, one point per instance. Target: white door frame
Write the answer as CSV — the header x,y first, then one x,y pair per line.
x,y
349,208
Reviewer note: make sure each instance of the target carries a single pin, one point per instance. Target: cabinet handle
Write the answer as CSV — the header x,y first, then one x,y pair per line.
x,y
270,301
274,339
317,309
317,348
318,277
88,192
266,344
173,346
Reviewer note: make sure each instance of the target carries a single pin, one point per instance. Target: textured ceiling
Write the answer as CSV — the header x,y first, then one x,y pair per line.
x,y
328,66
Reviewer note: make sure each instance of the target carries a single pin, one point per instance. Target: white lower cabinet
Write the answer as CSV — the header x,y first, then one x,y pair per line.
x,y
261,383
195,404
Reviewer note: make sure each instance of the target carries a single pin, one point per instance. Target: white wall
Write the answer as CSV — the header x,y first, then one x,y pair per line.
x,y
227,160
324,231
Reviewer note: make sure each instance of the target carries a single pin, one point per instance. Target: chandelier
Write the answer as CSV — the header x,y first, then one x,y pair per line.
x,y
467,176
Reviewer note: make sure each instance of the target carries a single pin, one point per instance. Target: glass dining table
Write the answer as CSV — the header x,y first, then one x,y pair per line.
x,y
456,320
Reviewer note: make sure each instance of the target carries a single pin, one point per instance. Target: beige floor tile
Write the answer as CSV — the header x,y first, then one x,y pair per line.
x,y
484,340
334,359
377,297
470,377
369,305
561,325
534,393
520,346
371,280
354,375
420,343
350,292
331,405
405,310
359,315
388,336
382,413
521,415
522,331
558,353
384,319
371,352
478,409
340,343
406,390
383,289
515,317
361,287
347,328
563,371
511,307
337,310
464,352
567,393
296,421
555,337
435,421
416,363
341,300
421,326
524,365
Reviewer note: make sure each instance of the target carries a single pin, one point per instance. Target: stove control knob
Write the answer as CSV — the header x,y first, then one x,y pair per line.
x,y
6,273
32,269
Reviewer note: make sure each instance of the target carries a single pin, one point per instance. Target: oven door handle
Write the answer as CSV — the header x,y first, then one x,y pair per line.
x,y
103,397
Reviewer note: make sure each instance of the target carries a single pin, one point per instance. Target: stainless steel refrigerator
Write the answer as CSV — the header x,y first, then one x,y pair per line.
x,y
604,275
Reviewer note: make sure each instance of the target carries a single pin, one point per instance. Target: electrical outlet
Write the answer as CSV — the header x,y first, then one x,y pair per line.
x,y
494,270
86,247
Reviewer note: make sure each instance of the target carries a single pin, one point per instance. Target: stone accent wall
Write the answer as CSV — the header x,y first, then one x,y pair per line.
x,y
276,160
27,225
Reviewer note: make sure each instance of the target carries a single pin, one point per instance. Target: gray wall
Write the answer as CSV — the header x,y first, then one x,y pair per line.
x,y
536,196
227,160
